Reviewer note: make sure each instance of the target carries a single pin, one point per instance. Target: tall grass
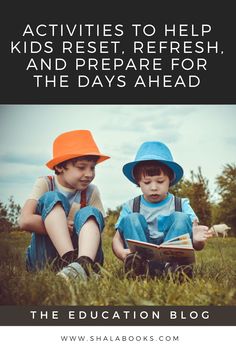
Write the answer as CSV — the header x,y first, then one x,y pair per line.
x,y
214,281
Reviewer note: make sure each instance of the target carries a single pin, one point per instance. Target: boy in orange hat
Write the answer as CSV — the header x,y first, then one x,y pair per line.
x,y
64,212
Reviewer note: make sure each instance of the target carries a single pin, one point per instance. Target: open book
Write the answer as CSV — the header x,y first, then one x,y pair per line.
x,y
179,250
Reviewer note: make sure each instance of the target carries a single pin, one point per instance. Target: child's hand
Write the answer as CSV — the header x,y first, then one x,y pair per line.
x,y
200,234
70,225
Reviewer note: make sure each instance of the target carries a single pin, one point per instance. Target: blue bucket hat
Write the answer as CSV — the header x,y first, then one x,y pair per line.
x,y
154,151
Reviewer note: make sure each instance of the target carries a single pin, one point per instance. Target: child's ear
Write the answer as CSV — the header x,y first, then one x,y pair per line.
x,y
169,181
58,169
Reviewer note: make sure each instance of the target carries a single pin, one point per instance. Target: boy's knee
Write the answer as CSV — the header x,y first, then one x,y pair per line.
x,y
134,219
181,217
182,220
51,196
86,213
49,200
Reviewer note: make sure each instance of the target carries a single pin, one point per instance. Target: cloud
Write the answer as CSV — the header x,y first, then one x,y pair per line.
x,y
230,141
16,179
23,159
148,121
17,173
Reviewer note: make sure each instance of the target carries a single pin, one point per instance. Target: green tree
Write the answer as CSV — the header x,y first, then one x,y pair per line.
x,y
197,190
5,224
9,214
216,214
226,186
13,211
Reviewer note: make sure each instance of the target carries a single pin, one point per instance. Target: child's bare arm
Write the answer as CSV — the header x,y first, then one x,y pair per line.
x,y
118,247
200,235
29,221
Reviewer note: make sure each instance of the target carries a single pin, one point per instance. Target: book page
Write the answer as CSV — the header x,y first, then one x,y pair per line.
x,y
163,253
147,250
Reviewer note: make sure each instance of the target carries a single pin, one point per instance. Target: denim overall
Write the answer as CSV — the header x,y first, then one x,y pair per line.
x,y
134,226
41,250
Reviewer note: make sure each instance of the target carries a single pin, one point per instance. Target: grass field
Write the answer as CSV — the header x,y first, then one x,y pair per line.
x,y
214,281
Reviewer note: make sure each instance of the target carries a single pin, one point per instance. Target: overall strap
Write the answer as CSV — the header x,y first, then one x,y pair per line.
x,y
178,204
136,204
50,183
83,197
83,200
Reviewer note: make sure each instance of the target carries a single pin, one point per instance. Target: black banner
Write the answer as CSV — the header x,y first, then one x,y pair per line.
x,y
149,53
118,316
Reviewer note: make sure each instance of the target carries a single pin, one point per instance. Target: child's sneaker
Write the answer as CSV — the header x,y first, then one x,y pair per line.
x,y
81,268
135,265
73,271
60,262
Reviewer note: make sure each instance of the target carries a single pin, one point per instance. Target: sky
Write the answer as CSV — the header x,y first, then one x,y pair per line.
x,y
197,135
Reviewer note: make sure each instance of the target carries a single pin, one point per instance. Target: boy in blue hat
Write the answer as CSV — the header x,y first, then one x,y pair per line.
x,y
156,216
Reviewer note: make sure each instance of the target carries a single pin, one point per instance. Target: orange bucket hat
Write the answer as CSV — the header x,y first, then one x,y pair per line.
x,y
76,143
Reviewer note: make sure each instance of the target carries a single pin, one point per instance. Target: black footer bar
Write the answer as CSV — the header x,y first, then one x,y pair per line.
x,y
117,315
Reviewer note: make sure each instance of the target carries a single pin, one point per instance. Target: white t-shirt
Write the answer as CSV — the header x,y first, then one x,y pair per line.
x,y
93,198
